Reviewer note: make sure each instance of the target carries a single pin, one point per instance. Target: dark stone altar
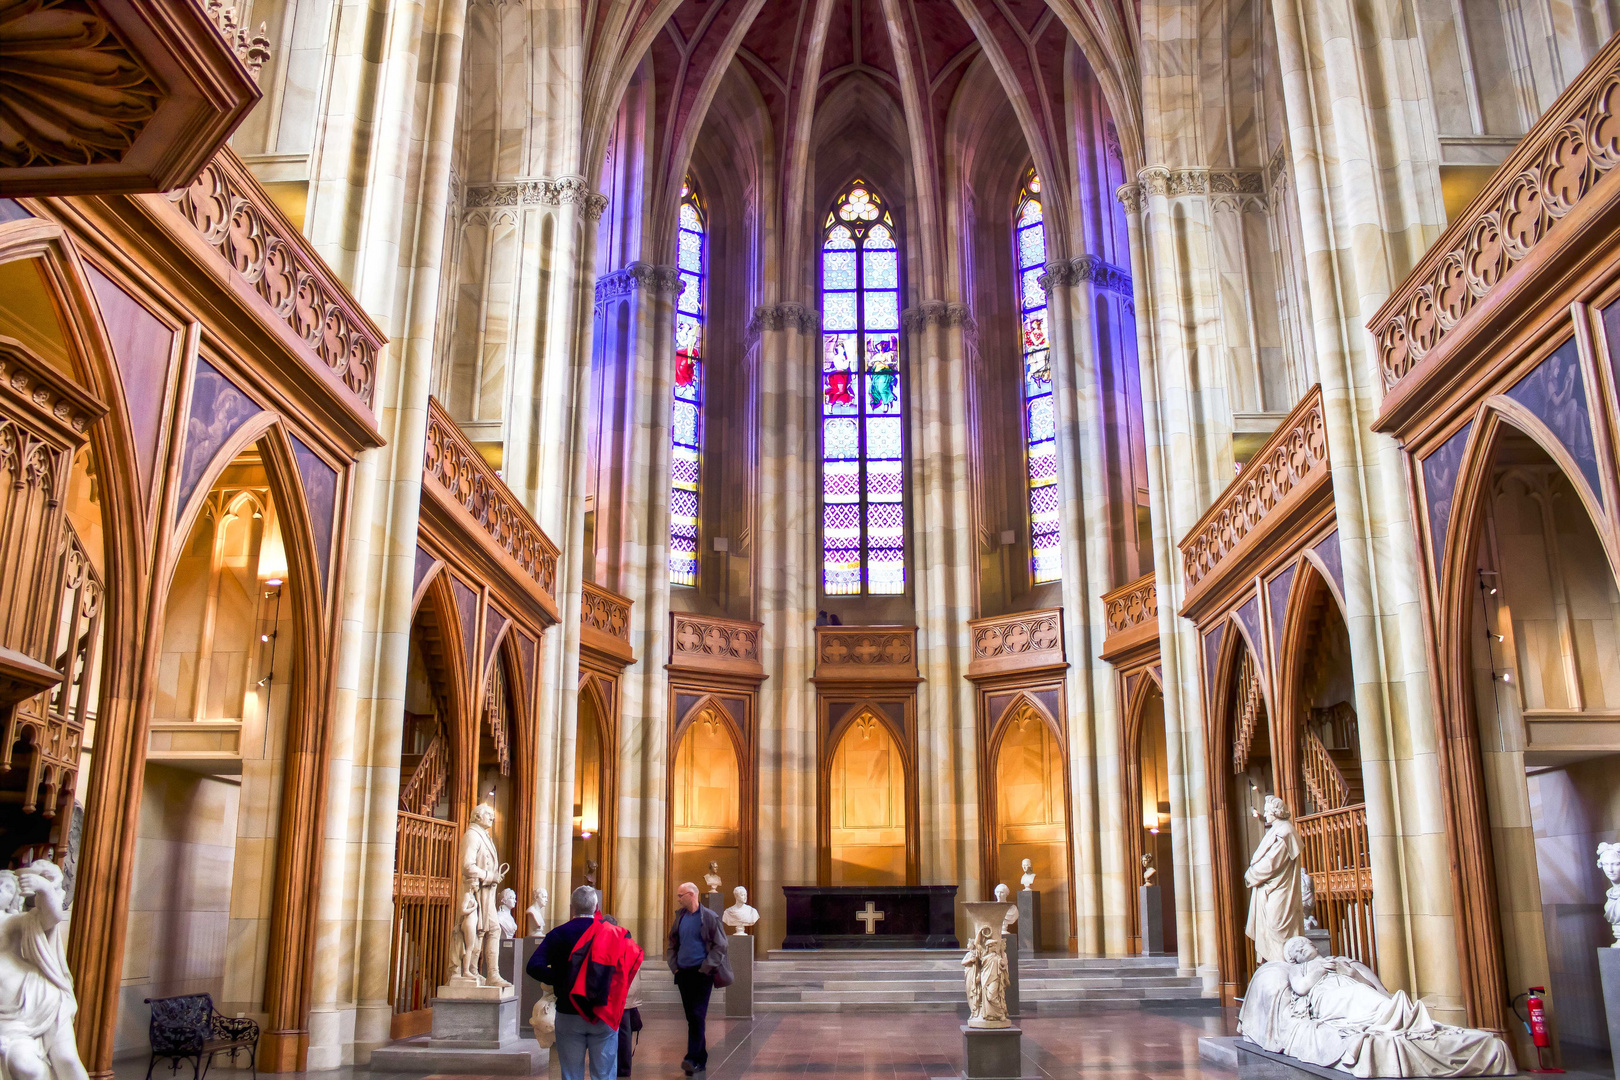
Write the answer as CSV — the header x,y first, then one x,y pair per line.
x,y
870,917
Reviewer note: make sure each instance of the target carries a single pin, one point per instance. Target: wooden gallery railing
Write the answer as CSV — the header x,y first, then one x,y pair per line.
x,y
1335,854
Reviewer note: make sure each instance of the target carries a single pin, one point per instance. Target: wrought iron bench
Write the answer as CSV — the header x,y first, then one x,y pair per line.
x,y
188,1028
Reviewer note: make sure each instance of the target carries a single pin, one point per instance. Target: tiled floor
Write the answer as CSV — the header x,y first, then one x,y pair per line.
x,y
1113,1043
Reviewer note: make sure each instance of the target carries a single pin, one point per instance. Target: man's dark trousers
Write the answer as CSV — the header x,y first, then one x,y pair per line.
x,y
695,986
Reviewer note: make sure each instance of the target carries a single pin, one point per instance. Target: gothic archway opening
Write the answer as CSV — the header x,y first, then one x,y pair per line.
x,y
1248,779
1151,822
590,808
1031,815
1537,652
867,806
705,790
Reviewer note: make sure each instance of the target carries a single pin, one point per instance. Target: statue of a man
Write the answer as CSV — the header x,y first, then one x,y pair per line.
x,y
1276,907
739,916
481,872
1148,870
1027,882
504,915
535,916
1004,895
37,1006
712,878
1608,860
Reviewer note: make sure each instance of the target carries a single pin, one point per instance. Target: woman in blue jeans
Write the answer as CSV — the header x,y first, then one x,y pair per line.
x,y
575,1035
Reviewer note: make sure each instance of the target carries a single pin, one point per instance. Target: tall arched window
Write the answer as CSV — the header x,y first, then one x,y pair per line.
x,y
1040,429
686,429
863,516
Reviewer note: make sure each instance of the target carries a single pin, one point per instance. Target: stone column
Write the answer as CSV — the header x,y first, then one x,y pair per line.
x,y
938,339
789,350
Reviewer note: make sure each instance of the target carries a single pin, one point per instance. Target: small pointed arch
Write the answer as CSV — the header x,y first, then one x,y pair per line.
x,y
435,567
1313,600
1021,709
712,707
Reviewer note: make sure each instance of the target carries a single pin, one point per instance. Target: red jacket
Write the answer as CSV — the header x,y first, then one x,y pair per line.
x,y
600,969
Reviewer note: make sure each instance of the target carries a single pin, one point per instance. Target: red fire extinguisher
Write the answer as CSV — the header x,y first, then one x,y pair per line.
x,y
1536,1025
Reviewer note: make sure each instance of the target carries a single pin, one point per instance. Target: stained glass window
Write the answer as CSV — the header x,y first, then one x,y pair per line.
x,y
686,427
863,516
1040,429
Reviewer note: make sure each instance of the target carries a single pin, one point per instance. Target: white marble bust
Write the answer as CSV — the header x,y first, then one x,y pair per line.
x,y
739,916
1608,860
1149,872
712,879
1027,882
504,914
535,916
1004,895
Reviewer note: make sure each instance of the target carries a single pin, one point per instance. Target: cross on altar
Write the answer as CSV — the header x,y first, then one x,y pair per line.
x,y
871,917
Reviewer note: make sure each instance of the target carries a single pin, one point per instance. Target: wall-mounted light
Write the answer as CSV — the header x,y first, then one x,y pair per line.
x,y
274,583
264,637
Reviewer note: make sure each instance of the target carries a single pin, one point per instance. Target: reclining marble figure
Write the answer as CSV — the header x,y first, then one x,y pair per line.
x,y
1332,1011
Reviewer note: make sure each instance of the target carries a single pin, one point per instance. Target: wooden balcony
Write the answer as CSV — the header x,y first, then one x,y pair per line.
x,y
604,625
708,645
1132,613
1029,641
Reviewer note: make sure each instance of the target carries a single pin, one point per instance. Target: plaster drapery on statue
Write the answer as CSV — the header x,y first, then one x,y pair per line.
x,y
986,973
1276,908
481,875
37,1006
1334,1012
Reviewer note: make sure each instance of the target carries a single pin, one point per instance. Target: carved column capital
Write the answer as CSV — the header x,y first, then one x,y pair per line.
x,y
638,276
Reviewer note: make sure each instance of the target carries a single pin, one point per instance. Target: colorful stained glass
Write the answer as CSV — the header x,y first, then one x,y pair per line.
x,y
686,420
863,469
1029,248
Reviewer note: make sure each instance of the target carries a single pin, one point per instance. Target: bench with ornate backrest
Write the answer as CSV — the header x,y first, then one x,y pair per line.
x,y
187,1028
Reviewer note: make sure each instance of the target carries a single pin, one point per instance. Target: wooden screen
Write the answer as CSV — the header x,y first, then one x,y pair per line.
x,y
425,881
1335,855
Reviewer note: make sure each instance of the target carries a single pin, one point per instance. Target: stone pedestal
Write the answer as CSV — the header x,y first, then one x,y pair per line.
x,y
992,1053
508,959
1151,908
1609,974
1029,922
529,990
713,902
740,994
1010,941
1321,939
470,1035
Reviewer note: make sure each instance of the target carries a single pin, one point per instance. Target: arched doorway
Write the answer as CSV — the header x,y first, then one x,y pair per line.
x,y
867,805
1031,814
1529,665
1147,804
705,792
591,802
1241,777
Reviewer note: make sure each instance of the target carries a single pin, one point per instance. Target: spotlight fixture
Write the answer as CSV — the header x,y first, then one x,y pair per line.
x,y
264,680
274,583
264,637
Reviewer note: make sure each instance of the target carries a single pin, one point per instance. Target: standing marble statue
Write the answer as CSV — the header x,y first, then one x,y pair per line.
x,y
481,873
984,968
37,1006
1276,907
503,915
534,916
1608,860
739,916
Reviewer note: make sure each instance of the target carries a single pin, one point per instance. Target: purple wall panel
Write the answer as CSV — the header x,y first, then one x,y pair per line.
x,y
1555,391
494,623
320,488
218,411
467,613
424,563
1212,653
1277,590
12,210
142,347
1327,549
1440,486
1249,616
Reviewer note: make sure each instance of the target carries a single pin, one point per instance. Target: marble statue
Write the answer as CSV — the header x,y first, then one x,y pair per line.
x,y
535,915
476,959
984,968
1331,1011
1028,880
1276,909
37,1006
1307,900
1608,860
739,916
1148,870
1004,895
503,914
712,879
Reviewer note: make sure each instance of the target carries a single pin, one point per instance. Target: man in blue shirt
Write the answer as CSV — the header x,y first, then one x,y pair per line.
x,y
575,1034
697,955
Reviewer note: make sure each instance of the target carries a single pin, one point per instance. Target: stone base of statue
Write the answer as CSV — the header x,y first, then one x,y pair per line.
x,y
461,988
1321,939
992,1053
713,902
1029,922
1219,1050
470,1035
529,990
1609,974
740,994
1151,907
1009,941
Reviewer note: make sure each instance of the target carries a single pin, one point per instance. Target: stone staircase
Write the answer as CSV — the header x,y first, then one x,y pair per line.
x,y
930,980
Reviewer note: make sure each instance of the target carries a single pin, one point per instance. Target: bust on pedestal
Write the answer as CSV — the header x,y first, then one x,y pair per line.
x,y
739,918
475,1015
711,882
1151,909
992,1046
1009,939
1029,913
